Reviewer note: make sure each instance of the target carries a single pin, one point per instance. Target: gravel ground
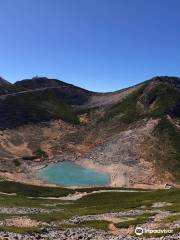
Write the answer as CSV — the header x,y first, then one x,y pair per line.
x,y
76,234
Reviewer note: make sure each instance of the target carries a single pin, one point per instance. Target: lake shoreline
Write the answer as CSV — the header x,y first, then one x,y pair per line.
x,y
70,174
29,174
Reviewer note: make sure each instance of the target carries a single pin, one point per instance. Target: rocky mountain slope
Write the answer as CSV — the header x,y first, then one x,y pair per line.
x,y
133,134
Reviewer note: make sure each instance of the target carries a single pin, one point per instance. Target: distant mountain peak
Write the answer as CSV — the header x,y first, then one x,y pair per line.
x,y
44,82
4,82
173,82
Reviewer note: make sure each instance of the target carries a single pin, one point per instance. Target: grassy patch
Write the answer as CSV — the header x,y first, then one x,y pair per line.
x,y
97,224
40,191
138,219
33,191
91,204
103,225
171,218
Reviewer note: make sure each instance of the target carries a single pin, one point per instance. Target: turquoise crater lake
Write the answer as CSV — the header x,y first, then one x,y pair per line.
x,y
67,173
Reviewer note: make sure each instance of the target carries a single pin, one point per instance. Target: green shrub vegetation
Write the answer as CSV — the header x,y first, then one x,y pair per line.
x,y
40,153
35,107
169,137
127,108
33,191
143,103
16,162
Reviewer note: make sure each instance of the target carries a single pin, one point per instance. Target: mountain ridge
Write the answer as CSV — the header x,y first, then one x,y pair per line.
x,y
43,79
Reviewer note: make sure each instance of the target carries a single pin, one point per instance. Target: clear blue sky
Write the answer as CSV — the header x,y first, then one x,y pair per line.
x,y
102,45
